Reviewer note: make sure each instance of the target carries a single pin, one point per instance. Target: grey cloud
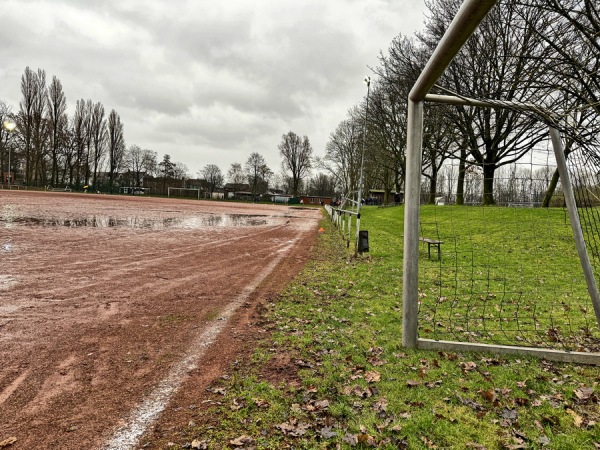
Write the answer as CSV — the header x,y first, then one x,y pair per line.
x,y
205,78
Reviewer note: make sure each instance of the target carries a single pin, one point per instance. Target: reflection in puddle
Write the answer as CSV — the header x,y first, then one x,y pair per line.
x,y
195,222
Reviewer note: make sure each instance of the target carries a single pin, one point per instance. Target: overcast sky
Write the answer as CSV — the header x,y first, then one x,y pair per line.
x,y
206,82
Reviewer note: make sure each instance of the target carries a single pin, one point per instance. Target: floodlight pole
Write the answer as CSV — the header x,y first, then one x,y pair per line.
x,y
9,125
362,162
467,19
584,258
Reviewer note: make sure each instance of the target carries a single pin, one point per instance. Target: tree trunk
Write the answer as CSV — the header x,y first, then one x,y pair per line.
x,y
551,189
433,185
460,186
488,184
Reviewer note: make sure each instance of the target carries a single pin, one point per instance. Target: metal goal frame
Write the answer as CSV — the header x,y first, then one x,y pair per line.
x,y
182,189
468,18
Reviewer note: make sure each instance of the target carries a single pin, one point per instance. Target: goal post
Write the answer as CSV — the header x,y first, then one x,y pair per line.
x,y
183,192
471,13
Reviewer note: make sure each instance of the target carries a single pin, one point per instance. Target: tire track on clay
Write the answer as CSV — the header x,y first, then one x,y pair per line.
x,y
83,355
149,256
94,302
113,269
127,437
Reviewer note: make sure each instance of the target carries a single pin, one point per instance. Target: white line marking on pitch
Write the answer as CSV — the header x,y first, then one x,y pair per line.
x,y
127,436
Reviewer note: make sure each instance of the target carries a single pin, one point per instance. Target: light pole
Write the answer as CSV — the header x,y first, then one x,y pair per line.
x,y
367,81
9,125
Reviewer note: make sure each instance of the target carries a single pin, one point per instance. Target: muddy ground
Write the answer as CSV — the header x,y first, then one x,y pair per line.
x,y
116,312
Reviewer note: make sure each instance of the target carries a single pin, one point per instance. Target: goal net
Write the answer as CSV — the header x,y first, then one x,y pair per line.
x,y
183,193
519,236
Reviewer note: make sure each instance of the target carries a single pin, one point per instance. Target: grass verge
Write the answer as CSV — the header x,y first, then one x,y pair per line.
x,y
331,373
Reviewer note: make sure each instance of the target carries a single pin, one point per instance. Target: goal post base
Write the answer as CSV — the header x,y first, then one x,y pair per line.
x,y
549,354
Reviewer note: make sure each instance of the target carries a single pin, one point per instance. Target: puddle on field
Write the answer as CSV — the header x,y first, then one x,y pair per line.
x,y
192,223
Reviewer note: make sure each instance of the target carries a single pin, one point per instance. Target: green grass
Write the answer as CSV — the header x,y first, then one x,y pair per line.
x,y
331,371
508,275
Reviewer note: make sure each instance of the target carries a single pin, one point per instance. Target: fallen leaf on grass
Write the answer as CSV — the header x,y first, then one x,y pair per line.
x,y
293,429
9,441
428,442
358,391
584,393
376,362
577,419
235,406
375,350
475,445
381,405
448,356
543,440
372,376
220,391
412,383
366,439
472,404
327,433
489,395
351,439
199,445
323,404
242,440
383,425
261,403
468,366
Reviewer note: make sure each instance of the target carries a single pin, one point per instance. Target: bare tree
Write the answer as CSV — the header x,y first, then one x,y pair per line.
x,y
342,155
80,132
440,142
321,185
213,176
5,115
116,146
397,71
68,156
140,162
570,30
297,158
257,173
57,117
180,170
33,125
235,175
498,62
98,138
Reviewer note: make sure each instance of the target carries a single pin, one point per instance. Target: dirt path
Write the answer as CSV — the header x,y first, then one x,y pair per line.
x,y
110,302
